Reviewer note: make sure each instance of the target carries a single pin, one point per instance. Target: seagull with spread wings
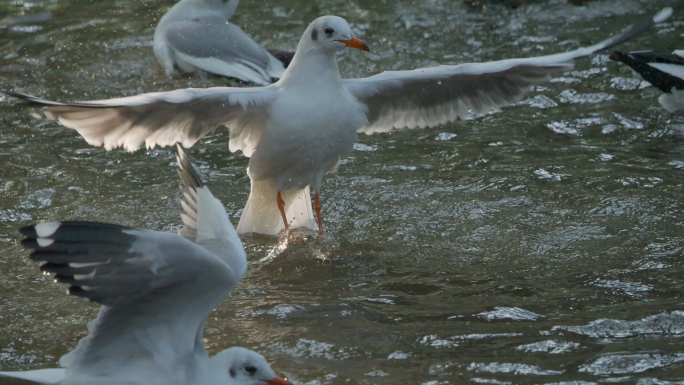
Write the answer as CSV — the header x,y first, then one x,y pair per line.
x,y
156,289
299,128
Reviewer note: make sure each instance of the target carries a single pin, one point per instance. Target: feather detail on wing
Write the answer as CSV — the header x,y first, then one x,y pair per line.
x,y
166,118
428,97
205,218
226,50
151,284
116,265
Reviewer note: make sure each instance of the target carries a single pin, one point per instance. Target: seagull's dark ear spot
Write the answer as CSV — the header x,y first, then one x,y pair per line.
x,y
232,372
314,34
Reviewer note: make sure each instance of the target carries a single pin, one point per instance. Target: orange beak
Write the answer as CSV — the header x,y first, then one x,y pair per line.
x,y
278,381
355,42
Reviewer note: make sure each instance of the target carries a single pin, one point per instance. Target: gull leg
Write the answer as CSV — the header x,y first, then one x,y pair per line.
x,y
281,207
317,207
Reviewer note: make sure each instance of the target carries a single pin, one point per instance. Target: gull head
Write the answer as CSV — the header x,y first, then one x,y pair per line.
x,y
331,33
246,367
225,7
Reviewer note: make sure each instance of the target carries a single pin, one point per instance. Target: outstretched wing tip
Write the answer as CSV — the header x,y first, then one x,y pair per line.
x,y
30,99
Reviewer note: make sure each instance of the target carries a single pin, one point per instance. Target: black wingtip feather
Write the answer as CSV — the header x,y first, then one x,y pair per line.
x,y
78,292
43,255
80,232
18,95
617,56
56,268
68,279
657,57
187,171
29,231
30,243
29,99
639,63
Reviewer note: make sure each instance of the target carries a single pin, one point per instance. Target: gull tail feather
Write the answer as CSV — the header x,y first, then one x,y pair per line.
x,y
261,214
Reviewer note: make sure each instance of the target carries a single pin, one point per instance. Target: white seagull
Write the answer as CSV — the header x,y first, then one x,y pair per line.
x,y
156,290
664,71
194,35
299,128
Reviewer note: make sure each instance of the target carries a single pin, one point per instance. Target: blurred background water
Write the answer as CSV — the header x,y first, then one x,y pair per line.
x,y
537,244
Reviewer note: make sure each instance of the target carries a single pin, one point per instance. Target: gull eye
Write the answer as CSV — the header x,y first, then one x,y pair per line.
x,y
328,31
250,370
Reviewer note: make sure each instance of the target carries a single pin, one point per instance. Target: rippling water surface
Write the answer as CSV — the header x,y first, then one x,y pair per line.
x,y
538,244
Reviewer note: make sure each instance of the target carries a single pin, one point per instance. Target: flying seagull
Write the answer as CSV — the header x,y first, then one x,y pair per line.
x,y
194,35
299,128
664,71
156,290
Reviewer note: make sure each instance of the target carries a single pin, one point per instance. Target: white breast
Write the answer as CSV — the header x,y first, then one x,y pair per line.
x,y
307,133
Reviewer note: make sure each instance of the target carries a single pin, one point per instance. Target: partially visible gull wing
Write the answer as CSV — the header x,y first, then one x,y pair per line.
x,y
205,218
144,279
118,266
213,45
427,97
166,118
157,289
662,70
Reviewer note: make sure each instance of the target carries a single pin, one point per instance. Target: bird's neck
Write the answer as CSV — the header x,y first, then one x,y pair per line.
x,y
311,67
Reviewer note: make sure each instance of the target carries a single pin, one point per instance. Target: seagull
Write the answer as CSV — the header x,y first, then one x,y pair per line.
x,y
156,289
299,128
664,71
194,35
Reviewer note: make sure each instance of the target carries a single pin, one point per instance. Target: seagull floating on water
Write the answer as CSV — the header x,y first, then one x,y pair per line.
x,y
156,290
194,35
299,128
664,71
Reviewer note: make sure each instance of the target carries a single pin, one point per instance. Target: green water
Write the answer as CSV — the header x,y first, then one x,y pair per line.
x,y
528,246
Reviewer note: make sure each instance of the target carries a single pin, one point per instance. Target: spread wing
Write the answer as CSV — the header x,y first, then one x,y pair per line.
x,y
118,266
428,97
222,48
165,118
157,289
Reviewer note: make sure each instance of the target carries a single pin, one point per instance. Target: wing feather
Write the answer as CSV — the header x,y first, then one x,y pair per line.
x,y
228,52
151,284
429,97
166,118
205,218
